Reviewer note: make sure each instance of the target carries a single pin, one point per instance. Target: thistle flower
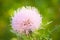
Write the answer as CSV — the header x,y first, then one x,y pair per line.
x,y
26,19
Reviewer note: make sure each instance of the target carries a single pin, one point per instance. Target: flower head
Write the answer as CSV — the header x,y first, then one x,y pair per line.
x,y
26,19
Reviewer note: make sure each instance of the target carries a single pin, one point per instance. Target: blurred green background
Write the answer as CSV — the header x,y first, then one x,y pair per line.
x,y
49,9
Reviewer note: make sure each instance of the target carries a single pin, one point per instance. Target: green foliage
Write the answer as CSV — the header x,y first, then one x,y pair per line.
x,y
49,9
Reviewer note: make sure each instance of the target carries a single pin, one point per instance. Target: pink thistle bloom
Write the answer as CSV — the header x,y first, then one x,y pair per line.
x,y
26,19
